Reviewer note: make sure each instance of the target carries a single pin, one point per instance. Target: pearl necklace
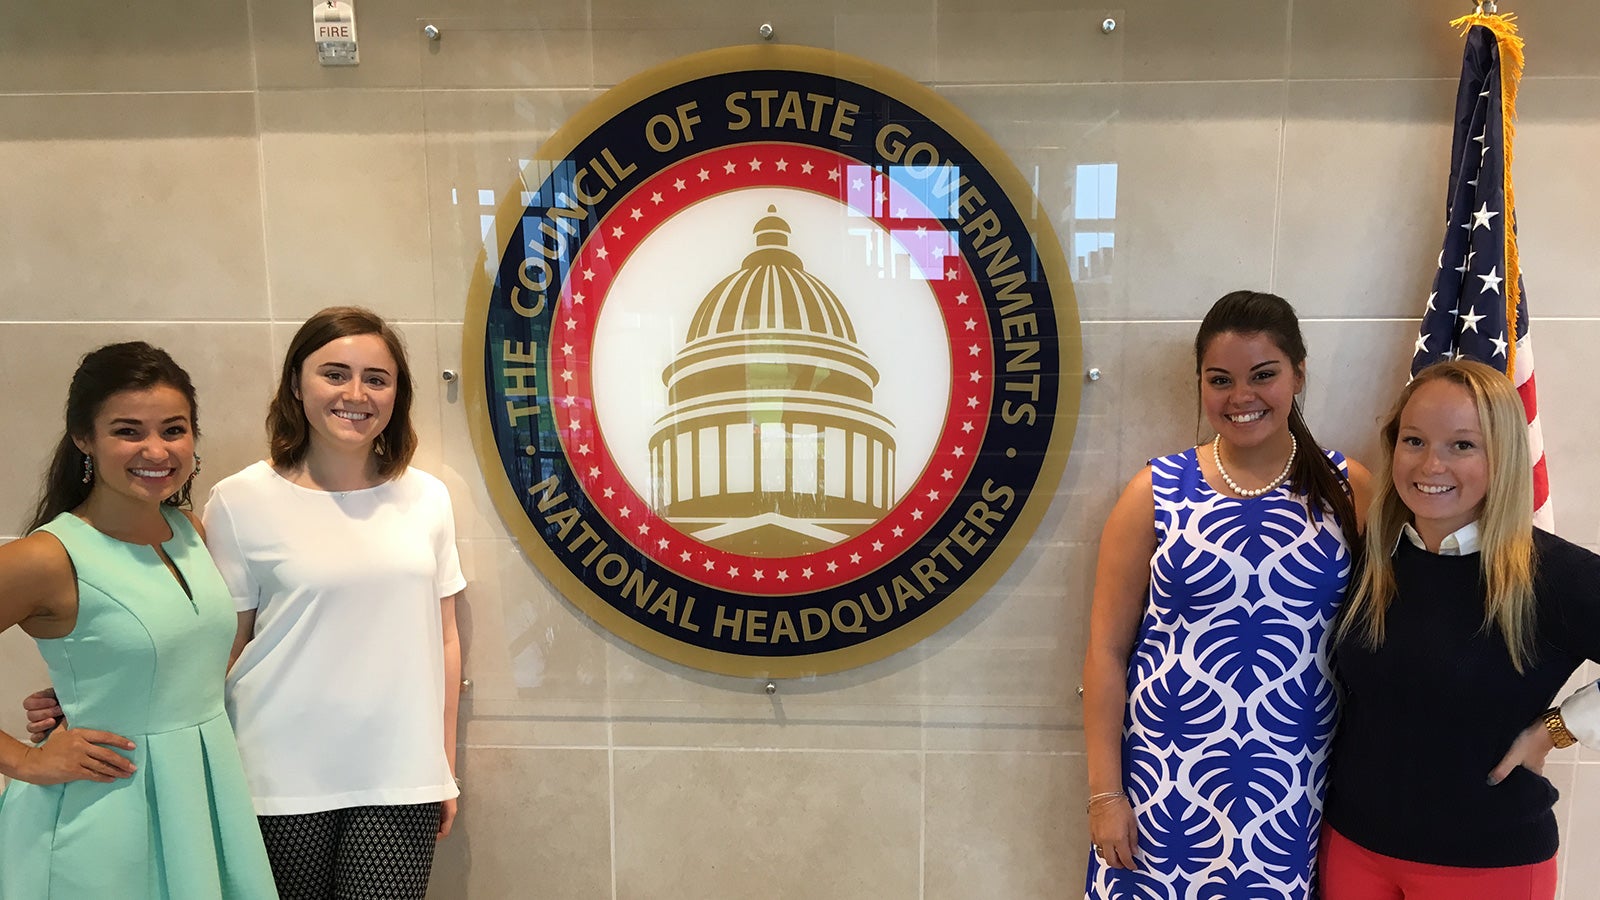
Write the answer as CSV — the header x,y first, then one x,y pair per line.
x,y
1216,454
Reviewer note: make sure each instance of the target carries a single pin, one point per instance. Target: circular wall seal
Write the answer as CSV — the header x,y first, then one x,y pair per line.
x,y
766,361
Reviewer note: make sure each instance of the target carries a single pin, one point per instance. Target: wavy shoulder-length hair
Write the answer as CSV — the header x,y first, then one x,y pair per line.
x,y
288,430
1505,525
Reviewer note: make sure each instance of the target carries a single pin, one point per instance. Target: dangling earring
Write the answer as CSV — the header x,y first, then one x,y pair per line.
x,y
88,469
379,446
196,466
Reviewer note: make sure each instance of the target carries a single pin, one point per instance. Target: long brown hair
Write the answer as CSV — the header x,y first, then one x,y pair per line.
x,y
1314,474
1505,525
102,373
288,431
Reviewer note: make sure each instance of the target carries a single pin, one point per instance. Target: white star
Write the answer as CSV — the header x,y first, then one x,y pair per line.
x,y
685,556
900,213
972,402
1491,281
1465,262
758,575
952,274
1431,295
571,323
806,572
636,215
594,472
782,165
577,299
577,426
655,196
961,299
566,349
729,167
710,565
624,512
704,174
617,232
855,558
1470,320
933,496
583,450
967,427
922,231
783,574
1482,216
644,527
877,546
602,253
755,165
733,570
916,514
970,324
833,566
959,452
832,176
899,532
569,401
1422,343
855,184
610,493
947,474
679,184
1499,344
1480,137
806,167
975,376
662,543
566,374
974,350
588,274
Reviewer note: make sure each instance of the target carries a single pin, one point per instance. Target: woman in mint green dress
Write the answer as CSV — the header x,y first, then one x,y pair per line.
x,y
147,799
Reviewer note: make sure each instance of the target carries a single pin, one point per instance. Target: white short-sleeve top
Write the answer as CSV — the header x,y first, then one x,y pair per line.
x,y
338,700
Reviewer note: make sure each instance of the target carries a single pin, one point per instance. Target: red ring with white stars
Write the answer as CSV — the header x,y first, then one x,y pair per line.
x,y
871,193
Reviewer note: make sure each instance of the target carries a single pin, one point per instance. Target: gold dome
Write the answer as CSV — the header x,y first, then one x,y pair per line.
x,y
772,291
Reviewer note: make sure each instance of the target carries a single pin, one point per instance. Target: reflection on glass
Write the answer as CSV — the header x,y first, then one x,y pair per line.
x,y
1094,222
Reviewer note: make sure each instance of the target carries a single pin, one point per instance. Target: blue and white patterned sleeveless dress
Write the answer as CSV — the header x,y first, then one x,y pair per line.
x,y
1231,705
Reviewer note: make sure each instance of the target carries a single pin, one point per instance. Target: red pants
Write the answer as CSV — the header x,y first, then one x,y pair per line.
x,y
1352,872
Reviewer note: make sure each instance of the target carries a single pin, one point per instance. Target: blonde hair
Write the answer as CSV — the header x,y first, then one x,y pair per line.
x,y
1505,524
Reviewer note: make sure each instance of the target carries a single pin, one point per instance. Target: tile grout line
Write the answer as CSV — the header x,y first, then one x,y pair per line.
x,y
1283,141
261,163
611,788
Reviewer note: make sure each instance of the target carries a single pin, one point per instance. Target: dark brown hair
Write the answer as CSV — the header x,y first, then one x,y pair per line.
x,y
1255,312
288,431
101,374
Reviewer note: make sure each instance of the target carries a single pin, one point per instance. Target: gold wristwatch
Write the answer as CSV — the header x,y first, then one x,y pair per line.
x,y
1559,735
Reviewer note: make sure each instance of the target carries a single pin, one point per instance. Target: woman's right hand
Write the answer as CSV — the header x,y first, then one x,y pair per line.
x,y
1114,832
76,754
44,714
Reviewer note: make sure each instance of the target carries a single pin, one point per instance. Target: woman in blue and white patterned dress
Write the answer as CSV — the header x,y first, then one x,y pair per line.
x,y
1209,706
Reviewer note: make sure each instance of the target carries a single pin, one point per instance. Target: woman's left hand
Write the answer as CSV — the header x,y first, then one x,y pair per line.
x,y
1528,751
447,817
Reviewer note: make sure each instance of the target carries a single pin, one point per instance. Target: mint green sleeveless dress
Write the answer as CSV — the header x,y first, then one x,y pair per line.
x,y
144,661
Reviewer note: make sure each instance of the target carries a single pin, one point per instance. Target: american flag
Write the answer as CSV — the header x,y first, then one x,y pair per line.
x,y
1477,309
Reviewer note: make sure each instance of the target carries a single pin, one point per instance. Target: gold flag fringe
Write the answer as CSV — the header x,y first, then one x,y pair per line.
x,y
1511,60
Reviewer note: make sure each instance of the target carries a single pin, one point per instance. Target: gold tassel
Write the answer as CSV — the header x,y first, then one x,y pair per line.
x,y
1511,60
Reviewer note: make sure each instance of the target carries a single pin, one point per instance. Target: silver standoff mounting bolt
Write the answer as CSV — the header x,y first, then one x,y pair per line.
x,y
432,31
1093,374
449,375
1080,690
772,687
1108,26
765,31
466,684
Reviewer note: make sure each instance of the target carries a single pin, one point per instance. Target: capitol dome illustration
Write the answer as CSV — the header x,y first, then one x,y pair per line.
x,y
770,445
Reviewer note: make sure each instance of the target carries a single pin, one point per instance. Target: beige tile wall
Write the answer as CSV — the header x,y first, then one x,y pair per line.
x,y
188,174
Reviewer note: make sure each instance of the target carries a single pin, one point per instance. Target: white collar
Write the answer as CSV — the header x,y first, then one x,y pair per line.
x,y
1461,542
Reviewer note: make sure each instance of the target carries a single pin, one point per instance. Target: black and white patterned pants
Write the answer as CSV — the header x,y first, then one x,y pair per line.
x,y
361,853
